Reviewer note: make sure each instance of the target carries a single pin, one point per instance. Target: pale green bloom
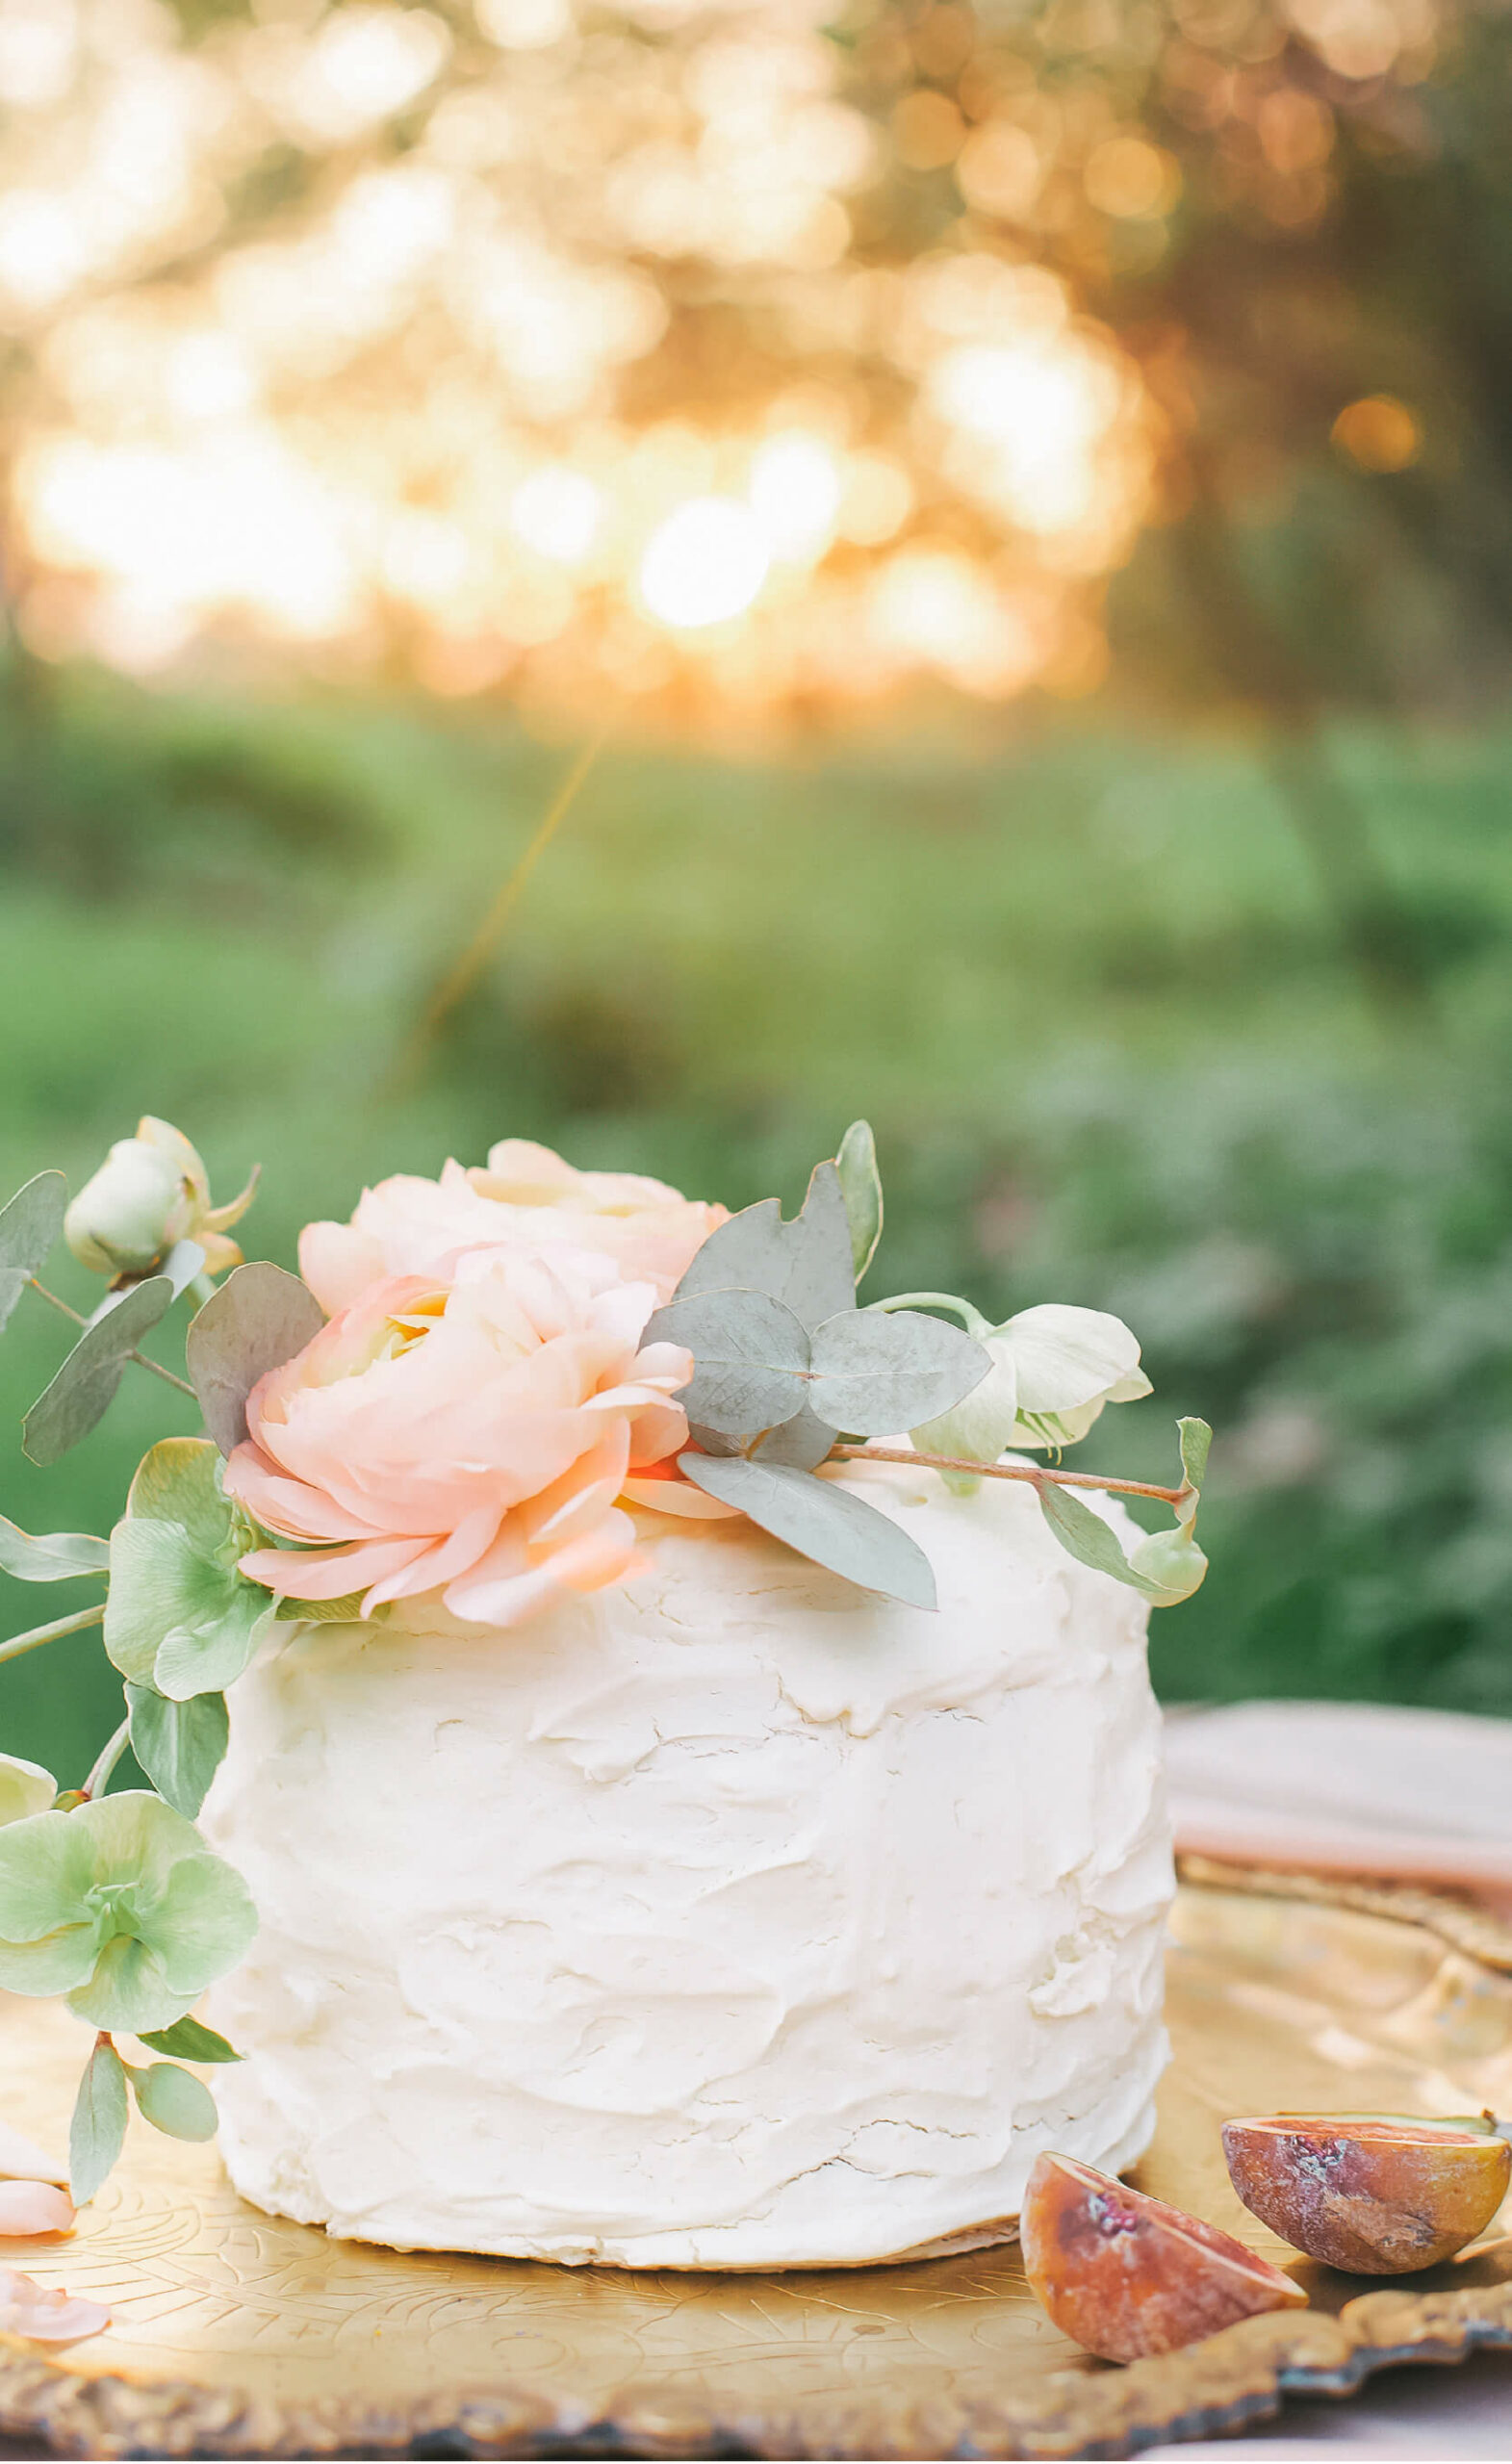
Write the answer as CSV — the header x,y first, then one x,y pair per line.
x,y
25,1788
120,1907
1053,1369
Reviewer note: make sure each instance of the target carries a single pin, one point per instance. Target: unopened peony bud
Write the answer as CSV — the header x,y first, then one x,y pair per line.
x,y
151,1192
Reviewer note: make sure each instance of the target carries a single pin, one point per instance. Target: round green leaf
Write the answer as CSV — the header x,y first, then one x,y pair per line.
x,y
175,2102
750,1358
259,1319
876,1372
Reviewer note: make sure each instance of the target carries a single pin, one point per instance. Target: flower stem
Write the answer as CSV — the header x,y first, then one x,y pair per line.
x,y
110,1755
139,1357
29,1642
1030,1472
971,1319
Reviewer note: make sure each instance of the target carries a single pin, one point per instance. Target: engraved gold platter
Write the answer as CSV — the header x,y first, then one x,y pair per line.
x,y
239,2335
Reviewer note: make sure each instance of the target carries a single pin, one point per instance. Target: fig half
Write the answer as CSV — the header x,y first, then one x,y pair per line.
x,y
1372,2193
1126,2275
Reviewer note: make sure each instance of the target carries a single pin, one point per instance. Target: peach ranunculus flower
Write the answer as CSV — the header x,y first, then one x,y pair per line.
x,y
470,1439
523,1198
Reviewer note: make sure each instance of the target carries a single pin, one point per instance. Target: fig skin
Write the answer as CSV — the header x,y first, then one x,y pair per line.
x,y
1373,2194
1125,2276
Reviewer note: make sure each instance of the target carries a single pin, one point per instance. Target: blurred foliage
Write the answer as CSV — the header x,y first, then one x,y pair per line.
x,y
1118,1046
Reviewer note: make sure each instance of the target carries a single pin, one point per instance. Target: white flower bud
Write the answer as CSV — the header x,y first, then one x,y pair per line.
x,y
120,1222
151,1192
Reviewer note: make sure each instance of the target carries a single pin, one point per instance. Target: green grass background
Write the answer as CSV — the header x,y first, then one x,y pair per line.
x,y
1091,993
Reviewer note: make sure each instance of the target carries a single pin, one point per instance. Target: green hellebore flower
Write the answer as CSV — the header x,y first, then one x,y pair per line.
x,y
25,1788
120,1907
1053,1369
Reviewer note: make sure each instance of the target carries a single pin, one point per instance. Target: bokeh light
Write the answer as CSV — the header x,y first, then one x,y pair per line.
x,y
531,342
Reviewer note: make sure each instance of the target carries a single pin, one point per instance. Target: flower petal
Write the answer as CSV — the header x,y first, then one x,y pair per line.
x,y
46,2316
33,2207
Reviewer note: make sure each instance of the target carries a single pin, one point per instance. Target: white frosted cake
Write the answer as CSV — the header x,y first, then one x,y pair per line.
x,y
731,1916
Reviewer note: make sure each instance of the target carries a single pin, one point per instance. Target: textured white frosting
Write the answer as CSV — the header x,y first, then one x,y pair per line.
x,y
735,1918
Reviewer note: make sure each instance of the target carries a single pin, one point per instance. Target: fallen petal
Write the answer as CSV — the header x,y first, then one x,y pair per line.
x,y
33,2207
22,2159
30,2309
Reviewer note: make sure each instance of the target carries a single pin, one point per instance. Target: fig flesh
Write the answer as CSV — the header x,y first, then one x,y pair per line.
x,y
1126,2275
1372,2193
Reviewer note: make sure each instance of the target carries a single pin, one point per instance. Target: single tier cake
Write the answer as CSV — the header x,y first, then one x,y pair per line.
x,y
733,1918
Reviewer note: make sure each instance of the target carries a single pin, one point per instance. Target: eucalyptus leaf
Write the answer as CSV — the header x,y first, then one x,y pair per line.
x,y
878,1373
750,1358
175,2102
190,2040
51,1556
259,1319
801,1443
179,1746
806,1263
30,1222
822,1521
99,2123
860,1187
85,1386
1085,1536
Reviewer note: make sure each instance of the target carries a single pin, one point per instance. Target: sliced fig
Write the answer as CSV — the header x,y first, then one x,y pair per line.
x,y
1373,2193
1126,2275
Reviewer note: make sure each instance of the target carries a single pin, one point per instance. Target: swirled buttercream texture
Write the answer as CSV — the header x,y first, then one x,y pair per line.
x,y
736,1918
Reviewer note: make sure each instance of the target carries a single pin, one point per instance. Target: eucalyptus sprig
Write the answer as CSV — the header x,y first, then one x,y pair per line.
x,y
114,1903
785,1361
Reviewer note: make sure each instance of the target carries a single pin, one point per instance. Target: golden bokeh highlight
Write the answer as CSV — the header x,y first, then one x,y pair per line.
x,y
1379,433
732,348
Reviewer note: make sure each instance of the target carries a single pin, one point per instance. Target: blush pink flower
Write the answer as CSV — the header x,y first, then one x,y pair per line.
x,y
526,1198
471,1439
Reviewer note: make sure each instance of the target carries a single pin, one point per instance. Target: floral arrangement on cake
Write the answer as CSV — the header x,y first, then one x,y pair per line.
x,y
483,1390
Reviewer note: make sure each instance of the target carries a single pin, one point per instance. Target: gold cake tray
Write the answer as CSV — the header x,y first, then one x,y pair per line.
x,y
238,2335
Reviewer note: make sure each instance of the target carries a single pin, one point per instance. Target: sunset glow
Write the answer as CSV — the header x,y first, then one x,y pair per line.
x,y
438,400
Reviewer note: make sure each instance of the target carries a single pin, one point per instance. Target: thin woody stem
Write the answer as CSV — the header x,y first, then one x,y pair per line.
x,y
1030,1472
110,1755
139,1357
39,1635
